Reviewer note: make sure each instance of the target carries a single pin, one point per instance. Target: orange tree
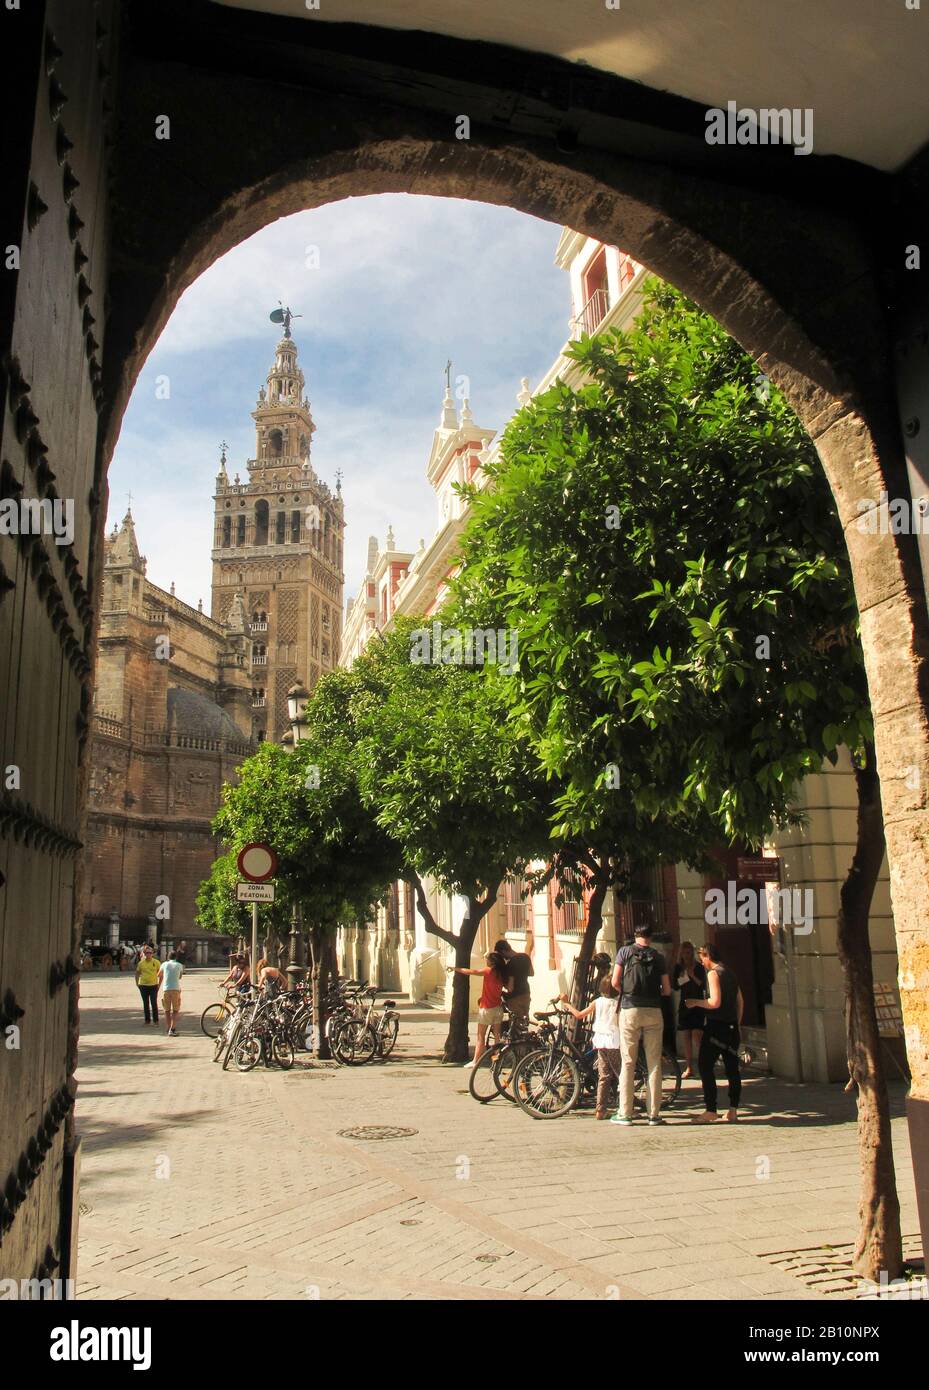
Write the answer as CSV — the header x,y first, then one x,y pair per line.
x,y
665,543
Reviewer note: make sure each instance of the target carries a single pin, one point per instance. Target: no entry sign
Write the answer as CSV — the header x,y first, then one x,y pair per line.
x,y
257,862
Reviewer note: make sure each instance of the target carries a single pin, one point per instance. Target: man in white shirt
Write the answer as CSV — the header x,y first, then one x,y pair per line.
x,y
169,977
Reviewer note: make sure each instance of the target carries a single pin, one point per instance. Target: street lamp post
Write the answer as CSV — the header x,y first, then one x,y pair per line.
x,y
297,698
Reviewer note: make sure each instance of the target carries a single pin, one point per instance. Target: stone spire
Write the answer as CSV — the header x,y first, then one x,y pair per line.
x,y
467,417
222,477
284,425
525,395
448,419
124,548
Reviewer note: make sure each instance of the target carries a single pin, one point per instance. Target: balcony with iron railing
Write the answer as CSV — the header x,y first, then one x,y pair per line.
x,y
259,702
258,627
592,314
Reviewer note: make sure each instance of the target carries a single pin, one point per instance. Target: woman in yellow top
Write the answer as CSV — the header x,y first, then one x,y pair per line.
x,y
146,977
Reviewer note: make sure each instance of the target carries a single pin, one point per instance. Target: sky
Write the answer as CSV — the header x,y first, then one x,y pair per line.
x,y
390,287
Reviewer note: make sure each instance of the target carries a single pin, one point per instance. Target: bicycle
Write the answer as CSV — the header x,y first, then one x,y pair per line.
x,y
366,1034
215,1015
493,1074
555,1078
265,1036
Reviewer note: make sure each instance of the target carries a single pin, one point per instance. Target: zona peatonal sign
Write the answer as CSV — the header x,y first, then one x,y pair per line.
x,y
257,862
254,892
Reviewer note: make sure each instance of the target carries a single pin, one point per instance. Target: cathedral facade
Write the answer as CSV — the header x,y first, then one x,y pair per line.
x,y
183,697
172,721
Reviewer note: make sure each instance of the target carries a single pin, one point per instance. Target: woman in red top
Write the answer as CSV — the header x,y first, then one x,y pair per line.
x,y
490,1004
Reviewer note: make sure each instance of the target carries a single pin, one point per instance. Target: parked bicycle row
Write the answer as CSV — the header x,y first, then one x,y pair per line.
x,y
263,1021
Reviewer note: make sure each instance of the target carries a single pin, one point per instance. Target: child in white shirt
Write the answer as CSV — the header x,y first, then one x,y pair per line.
x,y
605,1039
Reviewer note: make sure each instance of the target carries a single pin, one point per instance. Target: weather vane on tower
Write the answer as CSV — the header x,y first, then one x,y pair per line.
x,y
284,316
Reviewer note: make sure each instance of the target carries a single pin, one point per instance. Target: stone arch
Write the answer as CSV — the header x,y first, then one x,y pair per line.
x,y
741,264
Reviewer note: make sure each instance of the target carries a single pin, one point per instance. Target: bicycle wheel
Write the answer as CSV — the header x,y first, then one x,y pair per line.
x,y
220,1043
355,1044
387,1036
213,1018
546,1084
282,1050
481,1082
233,1043
506,1060
671,1080
248,1052
301,1028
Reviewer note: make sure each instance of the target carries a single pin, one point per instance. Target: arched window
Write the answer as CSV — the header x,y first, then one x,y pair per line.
x,y
280,528
261,523
295,526
275,443
227,530
240,531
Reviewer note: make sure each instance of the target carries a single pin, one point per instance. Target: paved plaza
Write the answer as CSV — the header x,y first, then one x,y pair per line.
x,y
204,1184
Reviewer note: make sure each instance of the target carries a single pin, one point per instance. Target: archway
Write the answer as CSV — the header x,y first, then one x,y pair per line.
x,y
839,388
782,259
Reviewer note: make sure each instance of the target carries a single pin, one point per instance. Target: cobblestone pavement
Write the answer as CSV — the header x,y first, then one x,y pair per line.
x,y
200,1184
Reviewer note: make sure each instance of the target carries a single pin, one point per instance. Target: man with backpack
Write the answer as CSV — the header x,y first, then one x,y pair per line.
x,y
641,977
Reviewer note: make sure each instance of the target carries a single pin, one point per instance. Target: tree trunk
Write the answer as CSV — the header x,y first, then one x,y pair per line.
x,y
582,966
879,1244
317,948
456,1043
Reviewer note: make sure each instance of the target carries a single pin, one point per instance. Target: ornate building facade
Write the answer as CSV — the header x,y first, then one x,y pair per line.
x,y
277,543
172,721
182,697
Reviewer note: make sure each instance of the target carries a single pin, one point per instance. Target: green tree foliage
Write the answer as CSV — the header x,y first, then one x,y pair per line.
x,y
452,779
666,544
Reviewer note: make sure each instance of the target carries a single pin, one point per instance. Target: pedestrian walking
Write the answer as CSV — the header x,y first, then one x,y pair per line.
x,y
605,1039
721,1032
640,975
181,954
490,1004
169,978
519,970
689,979
147,973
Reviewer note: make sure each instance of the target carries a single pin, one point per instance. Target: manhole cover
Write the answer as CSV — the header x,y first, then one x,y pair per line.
x,y
84,1209
377,1132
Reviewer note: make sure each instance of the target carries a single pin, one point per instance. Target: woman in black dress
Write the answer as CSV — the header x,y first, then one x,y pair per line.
x,y
689,977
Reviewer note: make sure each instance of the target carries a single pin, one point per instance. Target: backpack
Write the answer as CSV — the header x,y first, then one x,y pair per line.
x,y
642,976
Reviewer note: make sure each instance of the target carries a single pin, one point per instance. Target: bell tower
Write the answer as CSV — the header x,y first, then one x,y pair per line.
x,y
277,546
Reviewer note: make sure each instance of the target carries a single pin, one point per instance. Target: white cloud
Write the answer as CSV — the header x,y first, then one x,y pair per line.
x,y
403,283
